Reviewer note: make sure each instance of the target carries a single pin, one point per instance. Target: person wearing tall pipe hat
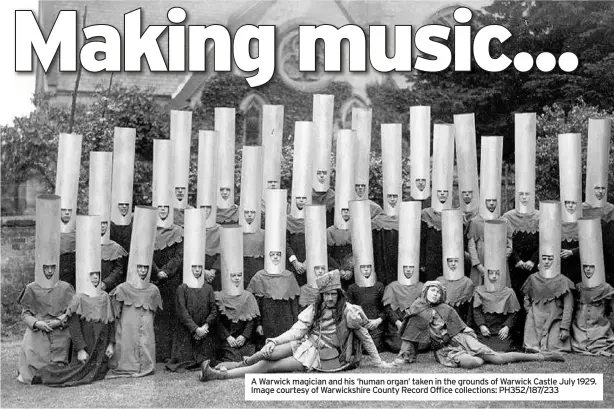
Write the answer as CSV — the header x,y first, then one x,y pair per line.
x,y
548,298
238,309
124,143
420,152
570,177
385,226
136,302
44,302
591,328
113,256
274,287
431,320
459,287
490,206
466,158
523,219
596,196
91,319
400,294
194,337
366,292
338,236
181,134
323,115
495,304
227,210
67,187
328,336
168,246
272,136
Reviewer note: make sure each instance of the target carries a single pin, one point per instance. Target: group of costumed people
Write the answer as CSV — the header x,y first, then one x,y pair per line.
x,y
307,281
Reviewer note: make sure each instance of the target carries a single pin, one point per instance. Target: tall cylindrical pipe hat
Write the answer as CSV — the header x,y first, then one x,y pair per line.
x,y
47,241
194,234
272,134
453,254
420,151
163,181
362,243
443,167
549,238
251,189
361,123
231,259
467,162
181,134
225,125
301,168
275,232
495,242
315,243
344,178
591,252
570,176
124,142
99,203
525,129
142,246
206,197
491,161
597,162
409,242
67,179
88,257
391,168
323,107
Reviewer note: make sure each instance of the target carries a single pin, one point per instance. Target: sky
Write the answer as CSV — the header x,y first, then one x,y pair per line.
x,y
17,88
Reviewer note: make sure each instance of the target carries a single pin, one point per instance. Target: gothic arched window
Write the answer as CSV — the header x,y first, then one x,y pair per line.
x,y
251,107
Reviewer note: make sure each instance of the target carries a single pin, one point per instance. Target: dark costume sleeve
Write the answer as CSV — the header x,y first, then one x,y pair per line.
x,y
478,317
248,330
181,310
392,315
567,310
213,311
351,297
380,296
76,334
174,264
224,331
117,274
510,320
289,250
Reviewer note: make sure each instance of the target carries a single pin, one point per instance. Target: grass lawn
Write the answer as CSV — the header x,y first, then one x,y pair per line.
x,y
165,389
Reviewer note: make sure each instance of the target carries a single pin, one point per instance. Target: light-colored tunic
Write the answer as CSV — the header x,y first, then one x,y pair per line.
x,y
592,330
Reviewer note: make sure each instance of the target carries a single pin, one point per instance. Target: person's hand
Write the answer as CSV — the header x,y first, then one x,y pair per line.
x,y
206,328
267,350
521,264
467,256
482,270
103,286
346,274
231,341
372,324
503,333
209,275
82,356
398,324
566,253
508,252
484,330
563,334
240,341
299,267
110,351
162,275
529,265
259,330
43,326
200,333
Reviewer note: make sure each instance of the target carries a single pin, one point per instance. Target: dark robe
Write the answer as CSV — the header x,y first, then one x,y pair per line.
x,y
370,299
495,310
122,235
340,250
328,199
397,298
238,317
460,296
570,266
430,245
253,255
385,232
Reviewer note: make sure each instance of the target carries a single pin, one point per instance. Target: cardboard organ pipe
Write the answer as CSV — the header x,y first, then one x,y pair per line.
x,y
275,232
163,181
142,246
443,167
301,168
323,106
597,162
362,243
467,162
231,259
225,125
315,243
495,243
272,134
591,252
361,123
181,134
570,176
420,151
251,189
67,179
549,238
391,168
410,220
491,161
524,152
194,240
453,254
124,142
88,278
47,241
344,177
206,197
99,202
